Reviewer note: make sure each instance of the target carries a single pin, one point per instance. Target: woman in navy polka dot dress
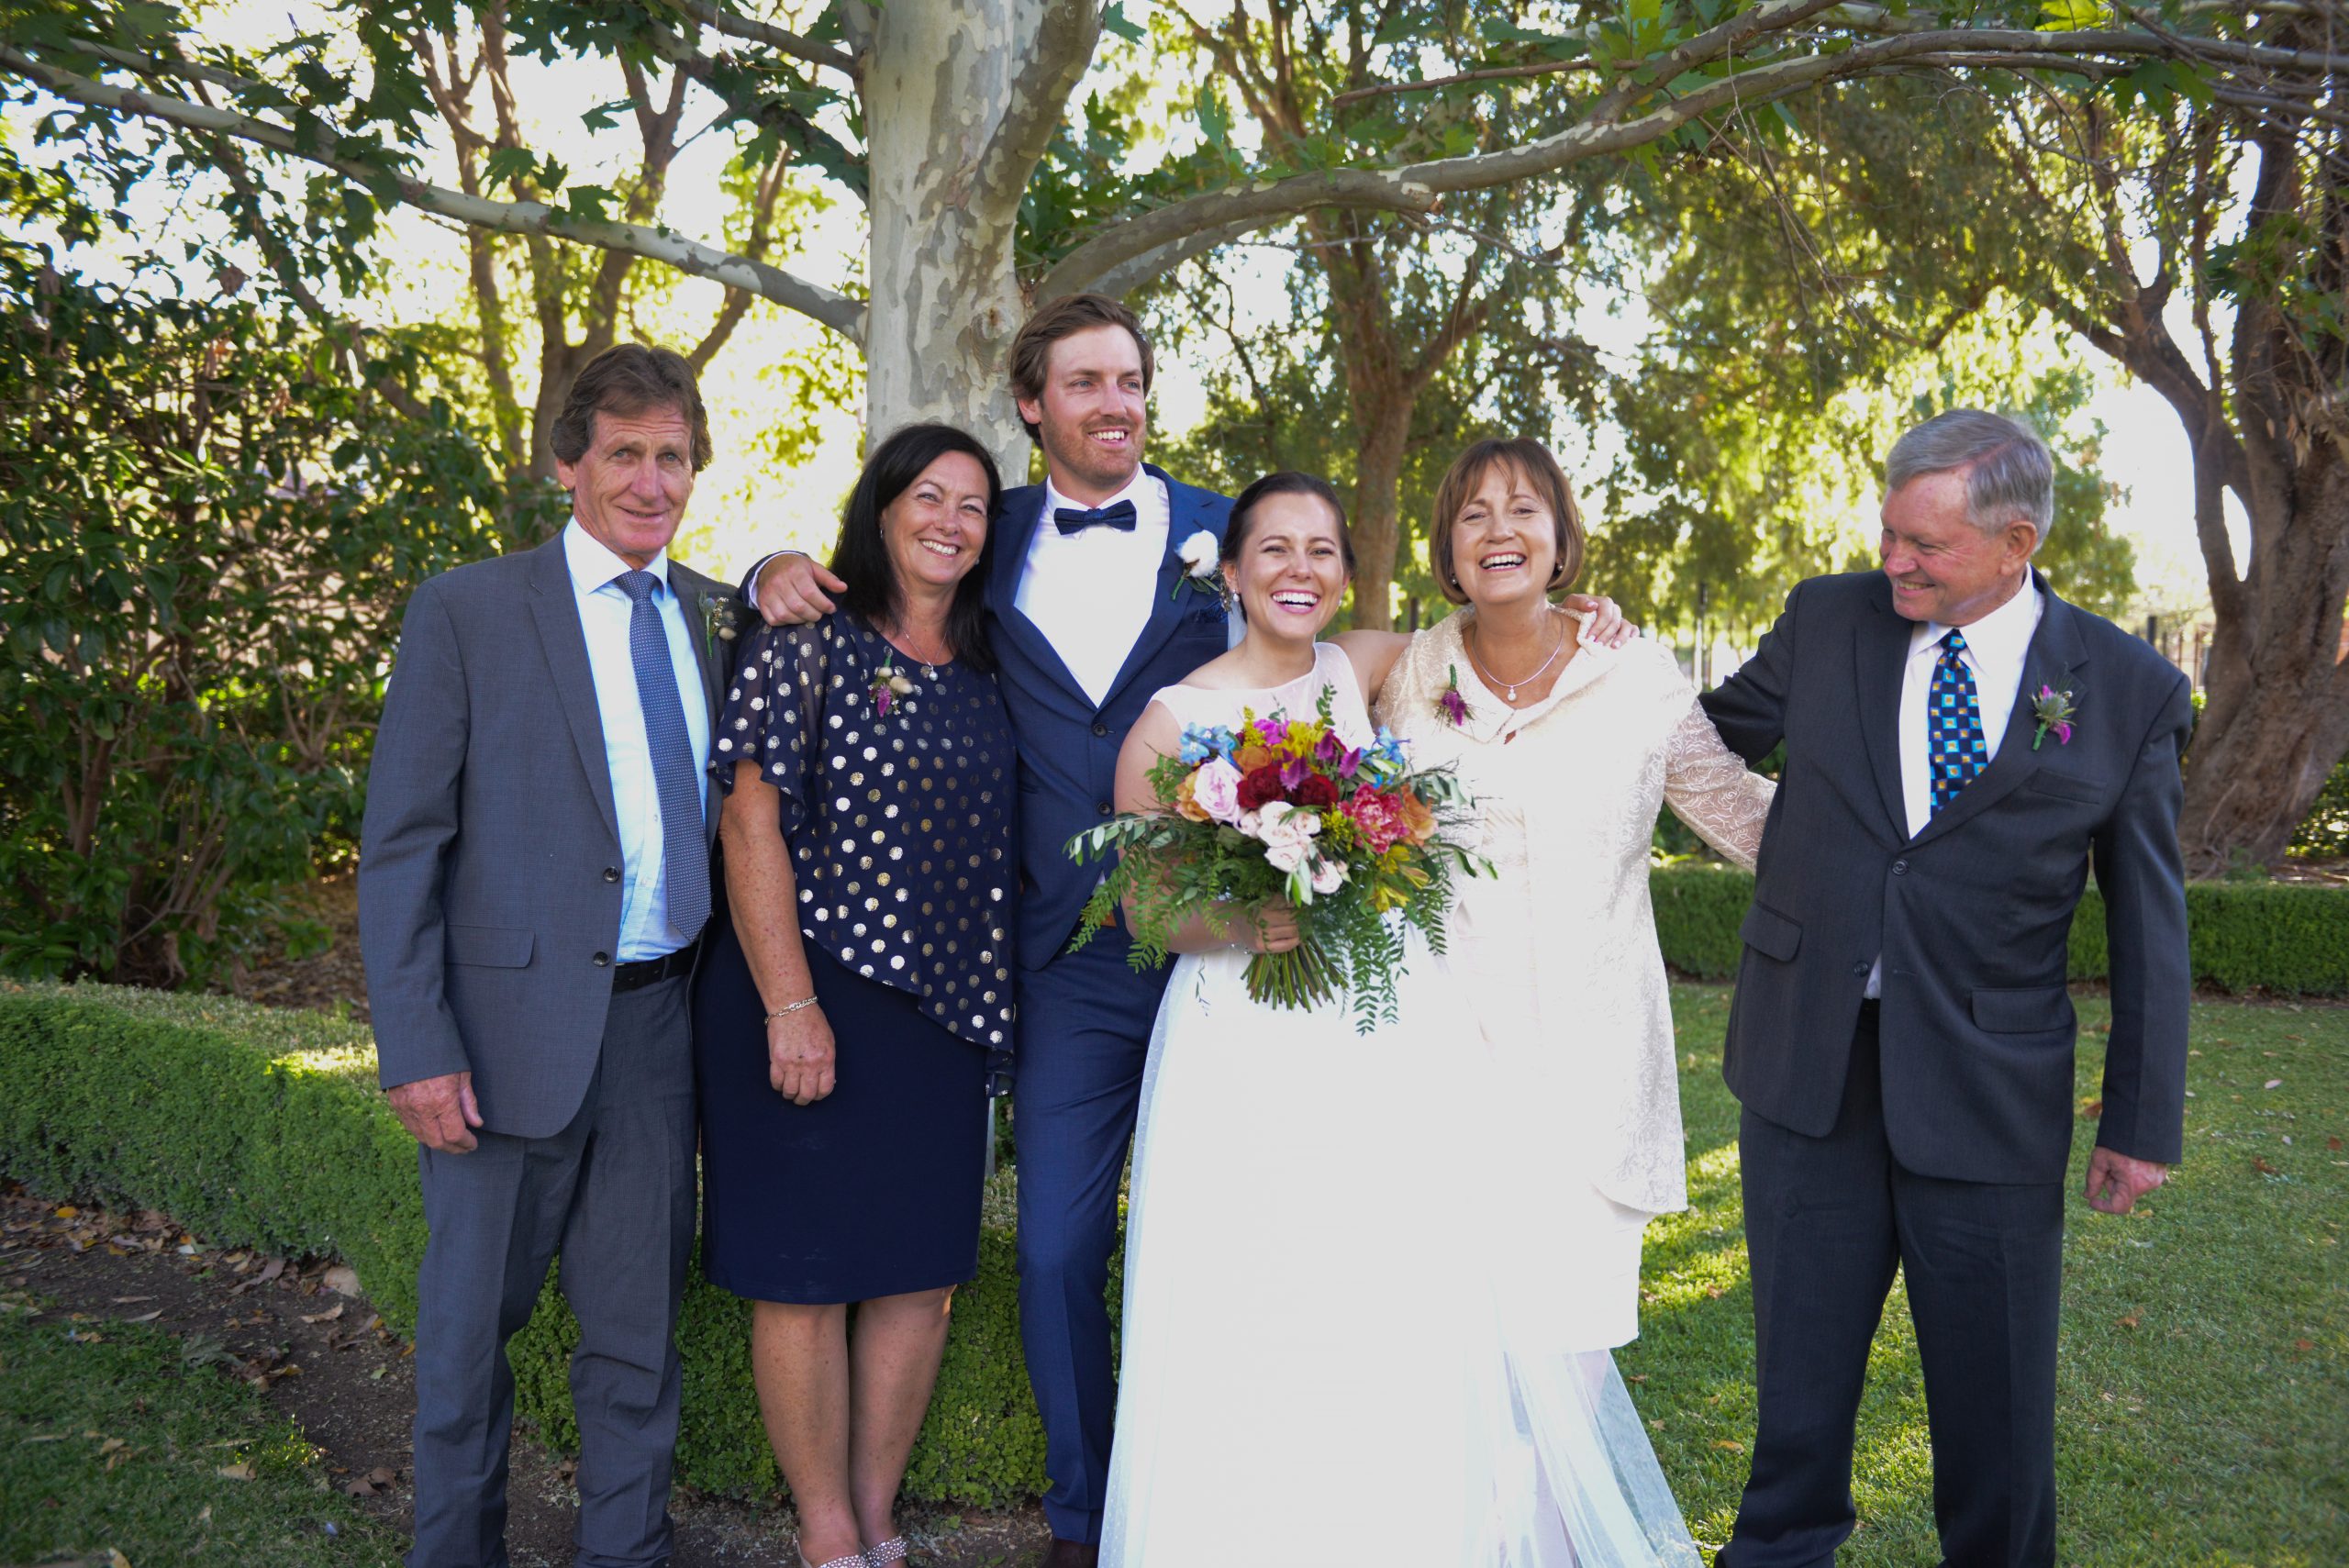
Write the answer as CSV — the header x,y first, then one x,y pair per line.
x,y
845,1016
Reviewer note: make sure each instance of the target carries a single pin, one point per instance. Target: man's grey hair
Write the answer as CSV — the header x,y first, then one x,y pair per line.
x,y
2009,476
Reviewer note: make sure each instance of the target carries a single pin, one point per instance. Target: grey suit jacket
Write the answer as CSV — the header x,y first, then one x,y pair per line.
x,y
1971,916
489,869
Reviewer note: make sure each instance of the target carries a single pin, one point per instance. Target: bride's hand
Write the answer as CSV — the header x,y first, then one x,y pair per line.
x,y
1270,927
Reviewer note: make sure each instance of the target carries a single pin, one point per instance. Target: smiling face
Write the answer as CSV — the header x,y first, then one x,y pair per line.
x,y
1093,413
1942,568
937,526
1504,540
1290,572
629,488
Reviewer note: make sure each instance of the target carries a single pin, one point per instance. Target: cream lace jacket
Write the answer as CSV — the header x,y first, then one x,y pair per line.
x,y
1561,947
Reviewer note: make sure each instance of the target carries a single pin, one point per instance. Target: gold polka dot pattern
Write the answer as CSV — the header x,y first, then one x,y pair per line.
x,y
899,824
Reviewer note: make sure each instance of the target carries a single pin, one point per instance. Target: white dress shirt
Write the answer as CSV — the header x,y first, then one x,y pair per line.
x,y
604,610
1995,648
1090,593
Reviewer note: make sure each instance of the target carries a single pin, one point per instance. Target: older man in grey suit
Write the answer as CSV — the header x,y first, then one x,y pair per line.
x,y
533,879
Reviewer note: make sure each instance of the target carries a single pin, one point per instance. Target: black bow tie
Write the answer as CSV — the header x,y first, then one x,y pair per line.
x,y
1117,514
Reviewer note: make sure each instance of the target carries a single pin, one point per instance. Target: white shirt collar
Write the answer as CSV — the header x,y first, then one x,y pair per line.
x,y
1053,499
593,564
2000,638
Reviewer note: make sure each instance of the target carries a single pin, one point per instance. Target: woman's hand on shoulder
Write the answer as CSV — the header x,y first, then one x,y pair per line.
x,y
801,1064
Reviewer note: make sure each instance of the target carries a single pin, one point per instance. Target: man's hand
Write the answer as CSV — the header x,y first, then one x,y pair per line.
x,y
440,1112
2116,1182
793,590
1605,625
800,1058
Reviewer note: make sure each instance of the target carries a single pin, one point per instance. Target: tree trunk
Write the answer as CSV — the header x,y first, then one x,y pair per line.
x,y
944,300
2277,717
1378,510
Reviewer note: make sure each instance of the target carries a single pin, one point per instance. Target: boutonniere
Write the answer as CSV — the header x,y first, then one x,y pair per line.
x,y
2054,711
1450,704
1202,559
889,686
721,622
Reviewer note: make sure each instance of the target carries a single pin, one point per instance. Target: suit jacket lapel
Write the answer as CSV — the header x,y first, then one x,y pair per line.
x,y
1879,662
2055,655
693,596
556,612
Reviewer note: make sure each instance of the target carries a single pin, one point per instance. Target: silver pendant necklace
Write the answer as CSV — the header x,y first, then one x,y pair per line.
x,y
1510,695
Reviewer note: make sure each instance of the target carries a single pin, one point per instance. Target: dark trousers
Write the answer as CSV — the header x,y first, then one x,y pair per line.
x,y
614,1193
1085,1023
1827,1220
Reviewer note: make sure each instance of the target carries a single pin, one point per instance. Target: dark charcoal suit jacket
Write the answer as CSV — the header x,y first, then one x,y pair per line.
x,y
489,871
1971,914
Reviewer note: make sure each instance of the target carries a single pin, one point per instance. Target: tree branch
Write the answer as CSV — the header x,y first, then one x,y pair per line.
x,y
752,31
833,309
1066,35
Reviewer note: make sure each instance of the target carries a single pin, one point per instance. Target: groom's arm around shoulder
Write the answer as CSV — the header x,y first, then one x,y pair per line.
x,y
411,821
2140,877
1750,708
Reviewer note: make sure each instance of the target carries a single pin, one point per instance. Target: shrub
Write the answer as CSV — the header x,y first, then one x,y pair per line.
x,y
263,1127
2291,938
2324,832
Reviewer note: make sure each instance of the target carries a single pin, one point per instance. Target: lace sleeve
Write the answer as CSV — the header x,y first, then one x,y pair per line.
x,y
1709,788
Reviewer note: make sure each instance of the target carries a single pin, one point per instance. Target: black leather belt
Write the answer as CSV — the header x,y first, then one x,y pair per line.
x,y
652,971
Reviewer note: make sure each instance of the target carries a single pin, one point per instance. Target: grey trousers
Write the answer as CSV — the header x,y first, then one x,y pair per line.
x,y
613,1193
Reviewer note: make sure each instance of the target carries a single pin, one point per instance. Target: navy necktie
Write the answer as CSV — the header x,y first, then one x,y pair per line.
x,y
1954,743
684,849
1117,514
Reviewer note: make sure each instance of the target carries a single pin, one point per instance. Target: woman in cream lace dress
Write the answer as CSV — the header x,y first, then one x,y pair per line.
x,y
1568,747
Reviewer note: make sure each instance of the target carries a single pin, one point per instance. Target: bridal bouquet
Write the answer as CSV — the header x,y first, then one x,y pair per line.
x,y
1284,808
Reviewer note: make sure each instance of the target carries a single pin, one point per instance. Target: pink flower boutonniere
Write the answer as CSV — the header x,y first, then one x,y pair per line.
x,y
1450,703
889,686
2054,711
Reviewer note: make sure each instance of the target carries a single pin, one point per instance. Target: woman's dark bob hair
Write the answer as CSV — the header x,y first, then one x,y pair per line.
x,y
862,556
1287,482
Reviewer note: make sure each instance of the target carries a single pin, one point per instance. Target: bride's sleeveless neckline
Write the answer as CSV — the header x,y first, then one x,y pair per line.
x,y
1322,653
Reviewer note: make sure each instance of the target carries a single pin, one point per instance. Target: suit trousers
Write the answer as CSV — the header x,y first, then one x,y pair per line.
x,y
1085,1026
613,1194
1827,1221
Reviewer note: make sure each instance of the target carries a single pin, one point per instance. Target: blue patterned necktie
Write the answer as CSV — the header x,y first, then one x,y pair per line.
x,y
684,850
1954,739
1117,514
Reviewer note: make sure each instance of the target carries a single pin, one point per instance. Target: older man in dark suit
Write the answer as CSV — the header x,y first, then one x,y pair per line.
x,y
1962,746
534,875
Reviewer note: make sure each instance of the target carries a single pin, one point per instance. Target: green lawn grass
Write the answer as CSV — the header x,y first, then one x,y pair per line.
x,y
2202,1401
113,1442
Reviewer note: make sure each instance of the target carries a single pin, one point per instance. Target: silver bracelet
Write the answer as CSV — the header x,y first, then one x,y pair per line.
x,y
808,1001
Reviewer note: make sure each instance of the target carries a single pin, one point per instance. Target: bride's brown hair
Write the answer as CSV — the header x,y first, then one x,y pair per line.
x,y
1461,481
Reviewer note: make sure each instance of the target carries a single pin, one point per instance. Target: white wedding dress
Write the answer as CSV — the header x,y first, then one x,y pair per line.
x,y
1322,1360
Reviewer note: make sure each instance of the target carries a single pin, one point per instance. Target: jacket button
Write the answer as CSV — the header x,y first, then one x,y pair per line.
x,y
1860,971
611,873
1900,868
1102,806
603,960
1100,729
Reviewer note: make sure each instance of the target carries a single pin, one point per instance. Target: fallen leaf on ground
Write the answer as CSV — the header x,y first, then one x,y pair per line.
x,y
116,1560
2130,1321
2273,1084
65,1211
2263,1167
1728,1445
146,1317
240,1470
2303,1344
342,1279
2334,1144
326,1317
129,1300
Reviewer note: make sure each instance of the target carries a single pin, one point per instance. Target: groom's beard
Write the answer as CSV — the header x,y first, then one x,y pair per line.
x,y
1077,456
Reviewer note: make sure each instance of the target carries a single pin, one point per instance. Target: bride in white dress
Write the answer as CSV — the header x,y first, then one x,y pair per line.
x,y
1334,1344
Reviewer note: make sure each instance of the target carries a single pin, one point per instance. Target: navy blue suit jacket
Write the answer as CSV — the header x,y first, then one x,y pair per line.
x,y
1972,914
1068,745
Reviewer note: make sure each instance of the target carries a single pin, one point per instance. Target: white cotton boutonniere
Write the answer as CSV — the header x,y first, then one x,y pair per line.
x,y
1202,559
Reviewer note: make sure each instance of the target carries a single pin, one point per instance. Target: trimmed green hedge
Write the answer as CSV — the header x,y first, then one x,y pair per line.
x,y
2285,937
263,1127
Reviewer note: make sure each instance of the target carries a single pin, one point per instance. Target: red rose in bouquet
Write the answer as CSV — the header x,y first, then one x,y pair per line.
x,y
1262,787
1317,789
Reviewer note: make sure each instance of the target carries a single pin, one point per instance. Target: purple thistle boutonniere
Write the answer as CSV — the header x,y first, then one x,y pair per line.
x,y
889,686
2054,711
1450,703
